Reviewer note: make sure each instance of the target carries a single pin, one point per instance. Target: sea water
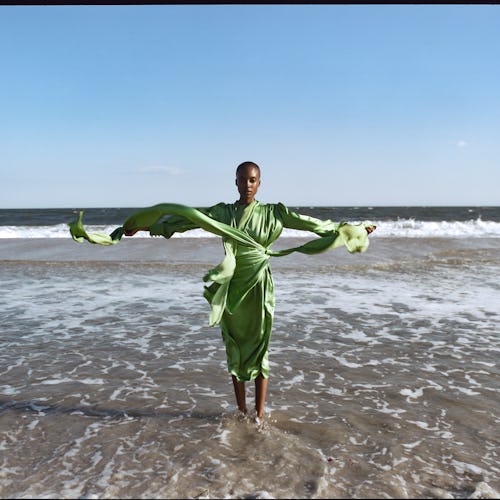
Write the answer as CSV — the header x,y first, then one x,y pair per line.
x,y
384,365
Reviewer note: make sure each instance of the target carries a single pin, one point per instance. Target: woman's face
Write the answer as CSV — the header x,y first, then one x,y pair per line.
x,y
248,182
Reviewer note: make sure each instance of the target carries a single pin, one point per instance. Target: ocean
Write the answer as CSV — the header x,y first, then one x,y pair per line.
x,y
384,365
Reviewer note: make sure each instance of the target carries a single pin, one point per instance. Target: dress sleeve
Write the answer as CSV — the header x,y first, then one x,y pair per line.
x,y
292,220
178,224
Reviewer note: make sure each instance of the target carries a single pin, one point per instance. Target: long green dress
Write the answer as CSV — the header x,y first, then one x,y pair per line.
x,y
241,294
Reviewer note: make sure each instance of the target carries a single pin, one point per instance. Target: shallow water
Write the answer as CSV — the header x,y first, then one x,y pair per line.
x,y
384,375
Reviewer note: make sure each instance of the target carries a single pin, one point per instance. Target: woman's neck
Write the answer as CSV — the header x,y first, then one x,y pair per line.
x,y
245,203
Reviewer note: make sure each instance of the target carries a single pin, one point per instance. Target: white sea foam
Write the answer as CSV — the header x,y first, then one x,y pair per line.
x,y
408,228
355,377
8,390
412,394
87,381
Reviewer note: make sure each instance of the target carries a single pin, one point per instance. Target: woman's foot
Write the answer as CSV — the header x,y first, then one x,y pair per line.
x,y
241,415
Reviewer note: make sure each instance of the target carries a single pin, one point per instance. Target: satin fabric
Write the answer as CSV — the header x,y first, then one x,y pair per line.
x,y
241,293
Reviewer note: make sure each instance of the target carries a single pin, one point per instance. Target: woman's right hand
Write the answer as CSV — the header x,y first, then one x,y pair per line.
x,y
131,232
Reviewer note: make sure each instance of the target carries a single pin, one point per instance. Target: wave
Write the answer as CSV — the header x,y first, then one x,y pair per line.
x,y
401,228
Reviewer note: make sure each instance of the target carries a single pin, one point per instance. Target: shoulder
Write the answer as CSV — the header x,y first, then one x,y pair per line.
x,y
280,208
272,206
274,210
219,211
219,206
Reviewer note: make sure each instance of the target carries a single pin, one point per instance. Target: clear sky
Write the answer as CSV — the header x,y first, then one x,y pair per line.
x,y
339,104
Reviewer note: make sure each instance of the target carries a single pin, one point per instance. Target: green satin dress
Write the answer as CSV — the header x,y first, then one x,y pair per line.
x,y
241,294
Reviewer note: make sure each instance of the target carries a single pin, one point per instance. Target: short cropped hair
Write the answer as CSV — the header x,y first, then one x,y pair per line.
x,y
246,164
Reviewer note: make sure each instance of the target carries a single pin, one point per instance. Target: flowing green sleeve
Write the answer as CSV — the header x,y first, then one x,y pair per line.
x,y
292,220
150,216
173,224
331,234
179,224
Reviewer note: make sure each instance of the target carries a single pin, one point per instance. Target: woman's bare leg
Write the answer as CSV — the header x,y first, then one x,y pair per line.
x,y
239,391
260,395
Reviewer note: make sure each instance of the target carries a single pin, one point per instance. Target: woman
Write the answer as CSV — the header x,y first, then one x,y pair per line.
x,y
245,303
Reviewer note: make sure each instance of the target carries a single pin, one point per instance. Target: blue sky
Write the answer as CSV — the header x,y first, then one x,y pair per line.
x,y
339,104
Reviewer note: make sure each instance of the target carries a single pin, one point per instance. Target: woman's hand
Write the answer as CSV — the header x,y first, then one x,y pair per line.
x,y
131,232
